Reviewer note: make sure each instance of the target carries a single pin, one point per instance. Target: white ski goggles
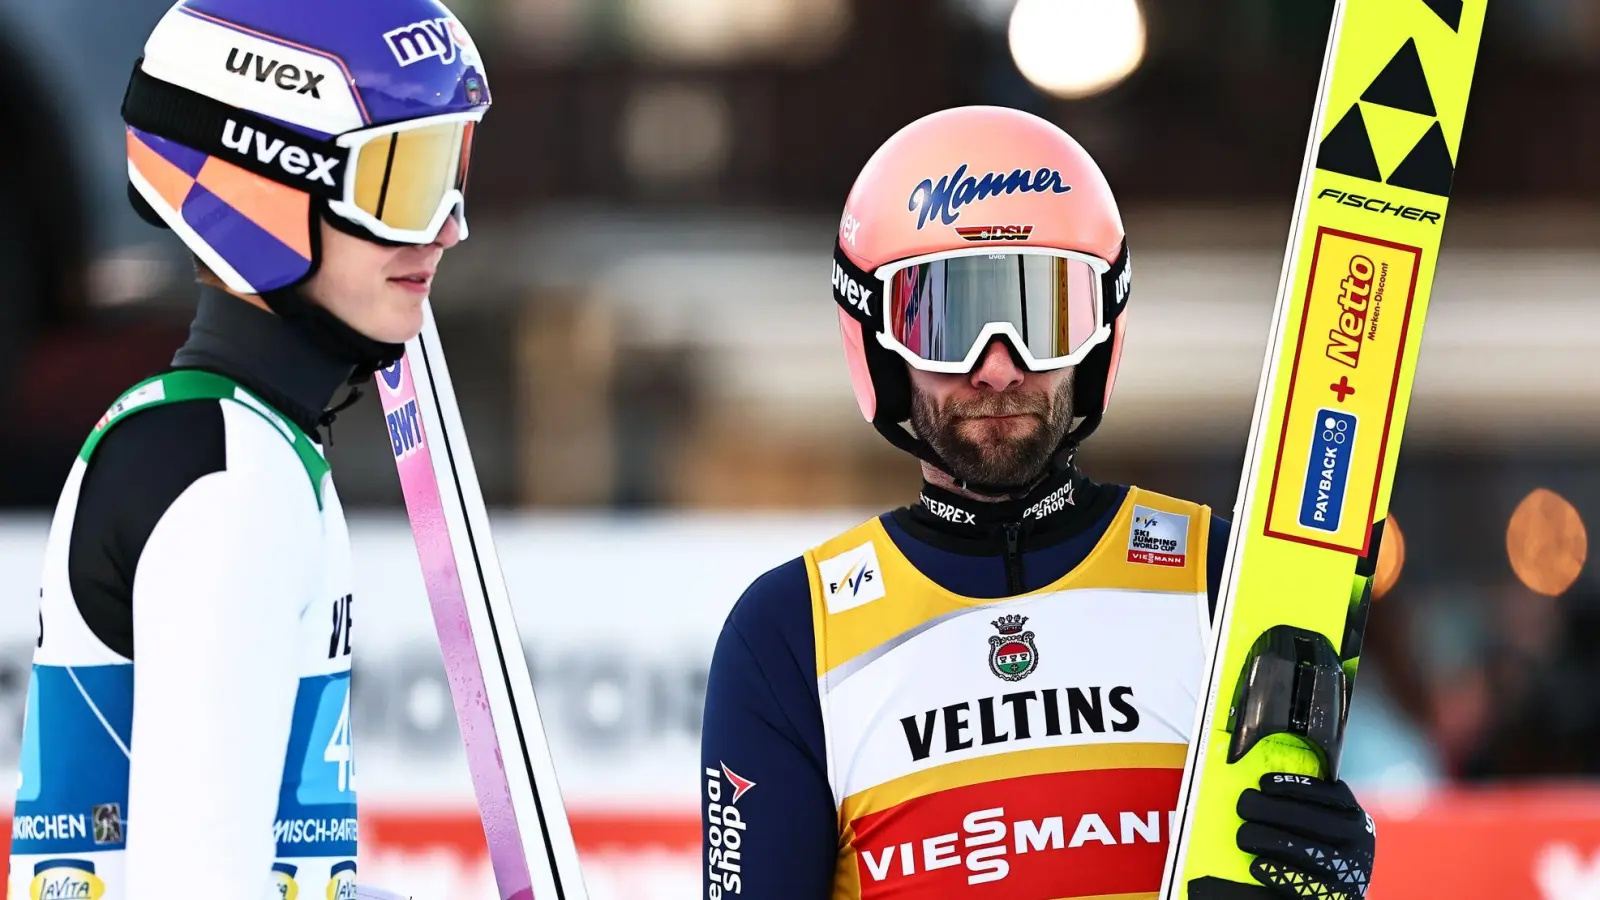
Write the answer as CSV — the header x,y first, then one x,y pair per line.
x,y
398,181
402,181
940,311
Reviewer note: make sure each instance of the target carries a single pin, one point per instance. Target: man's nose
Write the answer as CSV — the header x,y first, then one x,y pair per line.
x,y
995,370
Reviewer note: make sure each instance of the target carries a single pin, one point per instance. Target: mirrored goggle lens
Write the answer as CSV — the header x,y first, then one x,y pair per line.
x,y
938,309
402,177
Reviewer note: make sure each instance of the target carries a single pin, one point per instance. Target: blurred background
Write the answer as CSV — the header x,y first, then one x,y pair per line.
x,y
641,334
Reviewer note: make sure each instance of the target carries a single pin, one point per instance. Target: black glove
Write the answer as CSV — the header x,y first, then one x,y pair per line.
x,y
1310,837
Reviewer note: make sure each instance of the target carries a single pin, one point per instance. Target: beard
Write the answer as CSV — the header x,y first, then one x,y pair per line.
x,y
1016,452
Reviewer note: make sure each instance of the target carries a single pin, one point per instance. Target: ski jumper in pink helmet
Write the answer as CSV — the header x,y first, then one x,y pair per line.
x,y
972,225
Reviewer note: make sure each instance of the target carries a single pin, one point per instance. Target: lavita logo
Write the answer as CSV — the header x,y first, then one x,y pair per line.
x,y
285,76
298,161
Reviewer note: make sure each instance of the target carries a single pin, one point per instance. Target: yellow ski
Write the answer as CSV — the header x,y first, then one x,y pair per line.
x,y
1330,412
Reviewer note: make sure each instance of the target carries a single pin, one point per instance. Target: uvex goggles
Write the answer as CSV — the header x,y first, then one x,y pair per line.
x,y
401,181
940,311
398,181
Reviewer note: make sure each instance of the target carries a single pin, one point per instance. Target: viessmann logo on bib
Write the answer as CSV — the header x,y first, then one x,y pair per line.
x,y
1054,834
1157,538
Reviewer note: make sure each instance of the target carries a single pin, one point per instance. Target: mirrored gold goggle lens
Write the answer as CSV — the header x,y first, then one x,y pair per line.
x,y
401,177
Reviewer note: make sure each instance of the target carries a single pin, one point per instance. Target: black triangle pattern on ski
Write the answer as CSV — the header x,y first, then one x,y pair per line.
x,y
1348,149
1428,167
1448,10
1402,83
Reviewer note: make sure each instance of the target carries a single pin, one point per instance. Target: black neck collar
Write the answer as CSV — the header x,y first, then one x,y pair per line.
x,y
1065,502
266,354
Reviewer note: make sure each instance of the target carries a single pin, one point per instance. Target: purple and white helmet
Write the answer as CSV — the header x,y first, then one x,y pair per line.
x,y
248,120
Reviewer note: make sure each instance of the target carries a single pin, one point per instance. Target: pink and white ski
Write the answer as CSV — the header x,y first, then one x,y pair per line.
x,y
524,820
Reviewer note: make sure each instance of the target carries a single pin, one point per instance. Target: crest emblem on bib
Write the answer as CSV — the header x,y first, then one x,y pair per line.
x,y
1012,654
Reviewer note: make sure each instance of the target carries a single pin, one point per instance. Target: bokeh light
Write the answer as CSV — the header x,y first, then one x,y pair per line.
x,y
1546,542
1391,558
1077,48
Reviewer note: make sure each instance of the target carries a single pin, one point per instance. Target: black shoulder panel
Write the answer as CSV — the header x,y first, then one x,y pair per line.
x,y
136,473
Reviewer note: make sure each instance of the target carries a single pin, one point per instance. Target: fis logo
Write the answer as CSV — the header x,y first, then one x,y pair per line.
x,y
852,578
725,829
298,161
405,429
284,76
430,39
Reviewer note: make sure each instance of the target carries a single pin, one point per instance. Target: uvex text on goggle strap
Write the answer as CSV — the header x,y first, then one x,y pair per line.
x,y
939,312
398,181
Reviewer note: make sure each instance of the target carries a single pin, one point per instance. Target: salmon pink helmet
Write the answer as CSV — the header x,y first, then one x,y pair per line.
x,y
972,225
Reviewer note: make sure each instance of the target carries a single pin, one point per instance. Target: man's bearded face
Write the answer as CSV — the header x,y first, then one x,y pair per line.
x,y
1004,437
